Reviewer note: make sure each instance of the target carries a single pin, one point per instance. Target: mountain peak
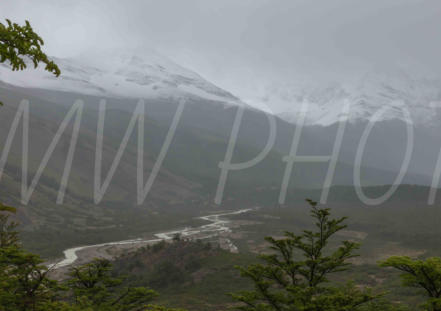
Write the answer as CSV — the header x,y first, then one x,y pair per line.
x,y
367,94
142,75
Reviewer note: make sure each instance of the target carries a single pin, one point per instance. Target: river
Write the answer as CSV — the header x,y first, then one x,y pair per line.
x,y
217,225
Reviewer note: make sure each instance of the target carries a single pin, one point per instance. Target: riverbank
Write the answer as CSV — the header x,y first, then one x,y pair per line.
x,y
217,226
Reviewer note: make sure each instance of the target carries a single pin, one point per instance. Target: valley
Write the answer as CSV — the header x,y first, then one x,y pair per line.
x,y
217,226
181,162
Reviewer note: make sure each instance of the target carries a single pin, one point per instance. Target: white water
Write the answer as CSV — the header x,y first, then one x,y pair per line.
x,y
216,226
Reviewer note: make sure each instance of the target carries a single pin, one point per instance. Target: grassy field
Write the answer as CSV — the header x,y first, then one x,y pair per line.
x,y
404,226
199,277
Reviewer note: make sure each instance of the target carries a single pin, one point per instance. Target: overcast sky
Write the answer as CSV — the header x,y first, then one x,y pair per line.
x,y
244,45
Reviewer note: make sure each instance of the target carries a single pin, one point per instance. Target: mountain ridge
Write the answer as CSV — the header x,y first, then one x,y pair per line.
x,y
367,94
149,75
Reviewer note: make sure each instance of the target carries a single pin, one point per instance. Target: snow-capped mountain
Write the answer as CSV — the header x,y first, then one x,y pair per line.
x,y
146,75
366,95
151,75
